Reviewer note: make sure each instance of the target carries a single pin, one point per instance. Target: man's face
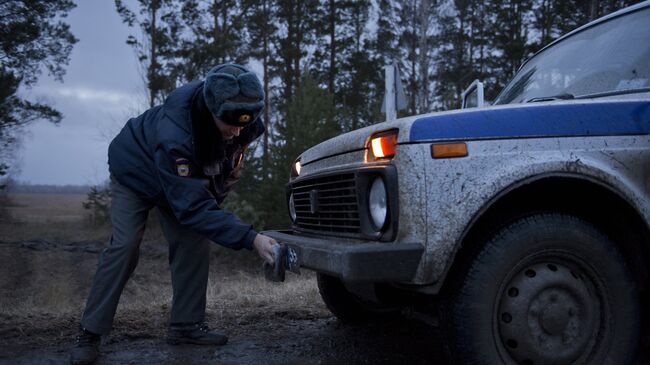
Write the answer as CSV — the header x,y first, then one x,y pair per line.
x,y
227,131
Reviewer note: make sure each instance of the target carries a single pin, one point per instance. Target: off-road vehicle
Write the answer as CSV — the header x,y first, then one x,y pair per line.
x,y
525,222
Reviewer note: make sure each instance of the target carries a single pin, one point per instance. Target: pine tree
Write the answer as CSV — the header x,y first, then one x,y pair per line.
x,y
263,33
454,65
363,86
33,38
385,48
546,22
480,51
511,30
570,14
159,28
386,43
214,33
416,22
256,180
408,40
288,28
297,20
425,25
342,62
309,121
98,202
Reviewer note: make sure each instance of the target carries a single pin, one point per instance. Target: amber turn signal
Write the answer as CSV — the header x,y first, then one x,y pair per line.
x,y
449,150
383,145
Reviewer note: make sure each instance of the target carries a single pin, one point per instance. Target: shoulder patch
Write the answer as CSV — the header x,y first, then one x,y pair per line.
x,y
183,167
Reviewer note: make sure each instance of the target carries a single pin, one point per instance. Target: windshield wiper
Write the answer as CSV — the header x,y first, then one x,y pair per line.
x,y
615,92
551,98
567,96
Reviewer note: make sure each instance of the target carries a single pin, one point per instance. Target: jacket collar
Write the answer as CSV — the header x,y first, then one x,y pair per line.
x,y
209,145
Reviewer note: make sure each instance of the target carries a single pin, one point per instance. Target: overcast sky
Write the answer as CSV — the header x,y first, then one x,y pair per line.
x,y
101,90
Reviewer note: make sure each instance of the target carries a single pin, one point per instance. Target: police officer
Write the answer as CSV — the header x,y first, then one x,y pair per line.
x,y
181,157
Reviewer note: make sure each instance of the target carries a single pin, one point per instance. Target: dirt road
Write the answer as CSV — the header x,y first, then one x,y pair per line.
x,y
43,286
290,337
46,267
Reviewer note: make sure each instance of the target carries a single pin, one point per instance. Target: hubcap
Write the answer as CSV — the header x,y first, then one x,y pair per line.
x,y
548,313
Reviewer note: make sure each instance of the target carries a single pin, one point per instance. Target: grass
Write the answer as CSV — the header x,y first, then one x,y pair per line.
x,y
46,208
54,282
50,217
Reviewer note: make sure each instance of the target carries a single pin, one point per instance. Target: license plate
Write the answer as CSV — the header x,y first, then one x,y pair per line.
x,y
293,259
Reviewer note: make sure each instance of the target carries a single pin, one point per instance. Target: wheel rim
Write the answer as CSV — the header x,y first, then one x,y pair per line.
x,y
549,312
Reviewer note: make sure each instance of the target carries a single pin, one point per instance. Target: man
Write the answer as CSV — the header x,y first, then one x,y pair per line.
x,y
181,157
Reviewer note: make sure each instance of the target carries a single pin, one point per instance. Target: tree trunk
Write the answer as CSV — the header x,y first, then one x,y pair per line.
x,y
288,53
265,64
424,19
593,10
413,58
332,20
216,39
224,37
153,65
297,48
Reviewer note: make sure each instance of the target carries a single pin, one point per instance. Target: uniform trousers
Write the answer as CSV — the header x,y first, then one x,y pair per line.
x,y
188,261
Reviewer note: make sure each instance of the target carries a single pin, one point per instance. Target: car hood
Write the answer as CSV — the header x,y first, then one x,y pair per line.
x,y
352,141
535,120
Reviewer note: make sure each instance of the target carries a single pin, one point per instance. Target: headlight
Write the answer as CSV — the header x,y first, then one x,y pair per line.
x,y
295,170
292,208
377,203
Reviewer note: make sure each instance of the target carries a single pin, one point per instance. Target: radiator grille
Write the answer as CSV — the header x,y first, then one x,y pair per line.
x,y
327,204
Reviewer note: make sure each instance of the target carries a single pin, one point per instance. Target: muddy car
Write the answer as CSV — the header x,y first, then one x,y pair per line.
x,y
524,224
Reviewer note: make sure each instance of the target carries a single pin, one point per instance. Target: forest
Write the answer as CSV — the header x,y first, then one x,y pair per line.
x,y
321,63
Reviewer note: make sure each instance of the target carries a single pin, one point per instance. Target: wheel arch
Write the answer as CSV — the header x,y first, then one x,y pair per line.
x,y
577,195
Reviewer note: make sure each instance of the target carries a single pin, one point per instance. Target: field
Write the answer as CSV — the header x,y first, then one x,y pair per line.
x,y
59,257
48,254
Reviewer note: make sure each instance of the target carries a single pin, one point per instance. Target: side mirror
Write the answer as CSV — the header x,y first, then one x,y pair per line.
x,y
473,95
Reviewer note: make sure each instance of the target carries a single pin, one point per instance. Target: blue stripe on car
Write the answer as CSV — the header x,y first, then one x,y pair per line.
x,y
544,120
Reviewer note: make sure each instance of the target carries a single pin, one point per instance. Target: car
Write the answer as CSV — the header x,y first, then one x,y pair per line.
x,y
521,226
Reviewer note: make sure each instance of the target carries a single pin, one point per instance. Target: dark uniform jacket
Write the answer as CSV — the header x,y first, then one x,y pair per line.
x,y
174,156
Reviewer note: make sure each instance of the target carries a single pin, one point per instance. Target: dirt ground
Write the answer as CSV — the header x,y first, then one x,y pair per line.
x,y
39,320
48,255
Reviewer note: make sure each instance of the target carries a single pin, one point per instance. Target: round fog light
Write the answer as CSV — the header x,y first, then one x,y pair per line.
x,y
292,208
377,203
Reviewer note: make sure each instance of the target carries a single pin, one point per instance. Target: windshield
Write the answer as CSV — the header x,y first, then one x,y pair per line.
x,y
609,57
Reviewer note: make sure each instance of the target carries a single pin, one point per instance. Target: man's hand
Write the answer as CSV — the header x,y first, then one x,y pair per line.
x,y
264,247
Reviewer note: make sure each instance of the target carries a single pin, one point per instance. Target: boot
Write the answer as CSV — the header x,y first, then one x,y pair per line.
x,y
195,333
86,348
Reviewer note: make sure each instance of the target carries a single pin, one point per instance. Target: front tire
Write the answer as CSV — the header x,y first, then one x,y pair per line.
x,y
548,289
348,307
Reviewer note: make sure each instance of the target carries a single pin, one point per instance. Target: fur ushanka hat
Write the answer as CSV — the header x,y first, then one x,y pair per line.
x,y
233,94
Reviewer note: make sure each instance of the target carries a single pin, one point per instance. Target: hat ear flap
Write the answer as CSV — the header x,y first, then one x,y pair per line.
x,y
250,86
218,88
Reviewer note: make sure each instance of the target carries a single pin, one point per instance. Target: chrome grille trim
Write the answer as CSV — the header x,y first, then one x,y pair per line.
x,y
336,204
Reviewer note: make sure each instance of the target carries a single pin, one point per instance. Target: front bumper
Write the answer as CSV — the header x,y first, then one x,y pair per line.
x,y
354,260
